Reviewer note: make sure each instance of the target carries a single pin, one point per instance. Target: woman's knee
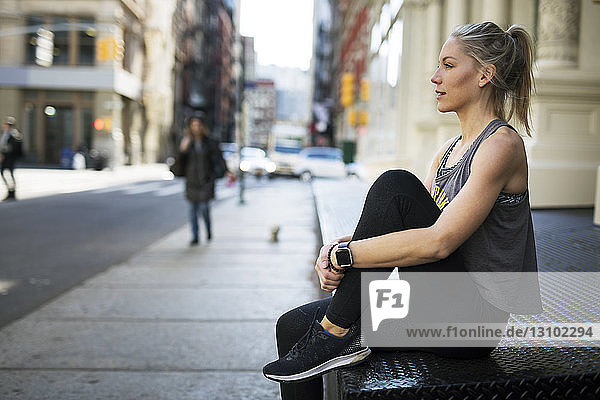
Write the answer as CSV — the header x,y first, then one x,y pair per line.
x,y
393,182
397,178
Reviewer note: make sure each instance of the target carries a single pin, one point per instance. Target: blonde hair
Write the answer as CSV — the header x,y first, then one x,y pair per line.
x,y
511,52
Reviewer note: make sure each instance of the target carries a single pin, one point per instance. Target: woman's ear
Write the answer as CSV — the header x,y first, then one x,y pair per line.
x,y
487,74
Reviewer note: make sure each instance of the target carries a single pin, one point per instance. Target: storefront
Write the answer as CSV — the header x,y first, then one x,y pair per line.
x,y
56,123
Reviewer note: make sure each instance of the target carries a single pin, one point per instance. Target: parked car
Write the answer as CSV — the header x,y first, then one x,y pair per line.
x,y
231,156
255,162
285,158
322,162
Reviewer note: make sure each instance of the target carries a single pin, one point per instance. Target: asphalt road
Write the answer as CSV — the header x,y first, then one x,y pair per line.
x,y
50,244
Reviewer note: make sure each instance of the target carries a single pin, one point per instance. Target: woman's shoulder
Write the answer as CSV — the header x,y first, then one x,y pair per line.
x,y
504,148
506,137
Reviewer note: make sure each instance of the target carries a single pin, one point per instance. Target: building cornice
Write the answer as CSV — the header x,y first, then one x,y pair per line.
x,y
568,83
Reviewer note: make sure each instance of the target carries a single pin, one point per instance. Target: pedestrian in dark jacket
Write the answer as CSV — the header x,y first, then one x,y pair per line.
x,y
10,151
203,157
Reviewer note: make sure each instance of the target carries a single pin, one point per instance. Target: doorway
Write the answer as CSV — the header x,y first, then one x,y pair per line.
x,y
58,125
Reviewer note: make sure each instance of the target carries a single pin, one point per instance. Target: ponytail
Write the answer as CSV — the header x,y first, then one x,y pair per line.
x,y
519,102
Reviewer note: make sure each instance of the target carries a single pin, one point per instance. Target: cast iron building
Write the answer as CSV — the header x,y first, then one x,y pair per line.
x,y
323,96
204,76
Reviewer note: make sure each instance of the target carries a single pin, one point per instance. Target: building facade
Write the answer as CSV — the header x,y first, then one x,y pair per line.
x,y
326,22
205,32
349,57
261,100
100,90
564,151
158,94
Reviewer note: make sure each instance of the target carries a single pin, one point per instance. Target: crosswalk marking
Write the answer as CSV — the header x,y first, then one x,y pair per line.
x,y
43,186
111,189
174,189
145,188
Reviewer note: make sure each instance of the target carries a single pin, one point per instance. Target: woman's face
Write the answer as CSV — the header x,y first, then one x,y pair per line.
x,y
457,79
196,127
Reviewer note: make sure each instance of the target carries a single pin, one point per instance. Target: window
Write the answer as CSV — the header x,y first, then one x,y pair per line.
x,y
61,40
74,40
86,43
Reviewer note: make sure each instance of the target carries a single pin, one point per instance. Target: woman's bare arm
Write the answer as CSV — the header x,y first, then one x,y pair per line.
x,y
498,159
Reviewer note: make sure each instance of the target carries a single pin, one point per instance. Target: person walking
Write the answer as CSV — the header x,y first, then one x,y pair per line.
x,y
470,214
203,160
11,143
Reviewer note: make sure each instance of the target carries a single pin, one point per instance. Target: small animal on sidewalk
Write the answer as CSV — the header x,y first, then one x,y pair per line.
x,y
275,233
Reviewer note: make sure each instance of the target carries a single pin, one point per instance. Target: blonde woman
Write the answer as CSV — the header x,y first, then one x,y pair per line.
x,y
470,214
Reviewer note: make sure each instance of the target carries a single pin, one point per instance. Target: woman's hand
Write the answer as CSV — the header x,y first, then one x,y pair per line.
x,y
329,279
231,176
185,143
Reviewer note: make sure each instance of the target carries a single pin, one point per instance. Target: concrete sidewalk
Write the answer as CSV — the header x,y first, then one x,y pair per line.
x,y
175,322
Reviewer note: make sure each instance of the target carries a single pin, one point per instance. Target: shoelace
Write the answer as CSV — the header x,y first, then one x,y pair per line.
x,y
301,344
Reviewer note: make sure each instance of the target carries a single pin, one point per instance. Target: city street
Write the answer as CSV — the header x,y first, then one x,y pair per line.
x,y
51,242
294,109
170,321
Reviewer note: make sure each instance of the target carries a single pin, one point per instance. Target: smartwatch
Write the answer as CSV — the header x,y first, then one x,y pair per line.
x,y
343,255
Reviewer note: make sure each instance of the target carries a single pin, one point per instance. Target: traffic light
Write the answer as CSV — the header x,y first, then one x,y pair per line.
x,y
103,49
110,49
365,89
44,47
99,124
363,118
103,124
347,95
352,117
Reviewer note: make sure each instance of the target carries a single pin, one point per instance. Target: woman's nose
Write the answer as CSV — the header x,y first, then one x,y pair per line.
x,y
435,77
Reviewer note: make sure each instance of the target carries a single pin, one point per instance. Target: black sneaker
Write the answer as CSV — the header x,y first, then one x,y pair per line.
x,y
316,353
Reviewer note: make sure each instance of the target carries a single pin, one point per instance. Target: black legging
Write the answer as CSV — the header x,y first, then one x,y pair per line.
x,y
396,201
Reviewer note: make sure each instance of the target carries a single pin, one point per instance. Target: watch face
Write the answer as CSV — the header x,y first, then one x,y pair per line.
x,y
343,257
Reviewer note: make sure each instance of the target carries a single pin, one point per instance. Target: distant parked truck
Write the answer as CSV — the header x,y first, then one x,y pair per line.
x,y
285,156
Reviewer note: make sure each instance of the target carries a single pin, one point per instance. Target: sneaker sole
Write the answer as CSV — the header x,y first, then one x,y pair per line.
x,y
327,366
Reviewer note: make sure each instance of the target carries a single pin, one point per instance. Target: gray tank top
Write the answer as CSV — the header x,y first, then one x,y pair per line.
x,y
500,254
